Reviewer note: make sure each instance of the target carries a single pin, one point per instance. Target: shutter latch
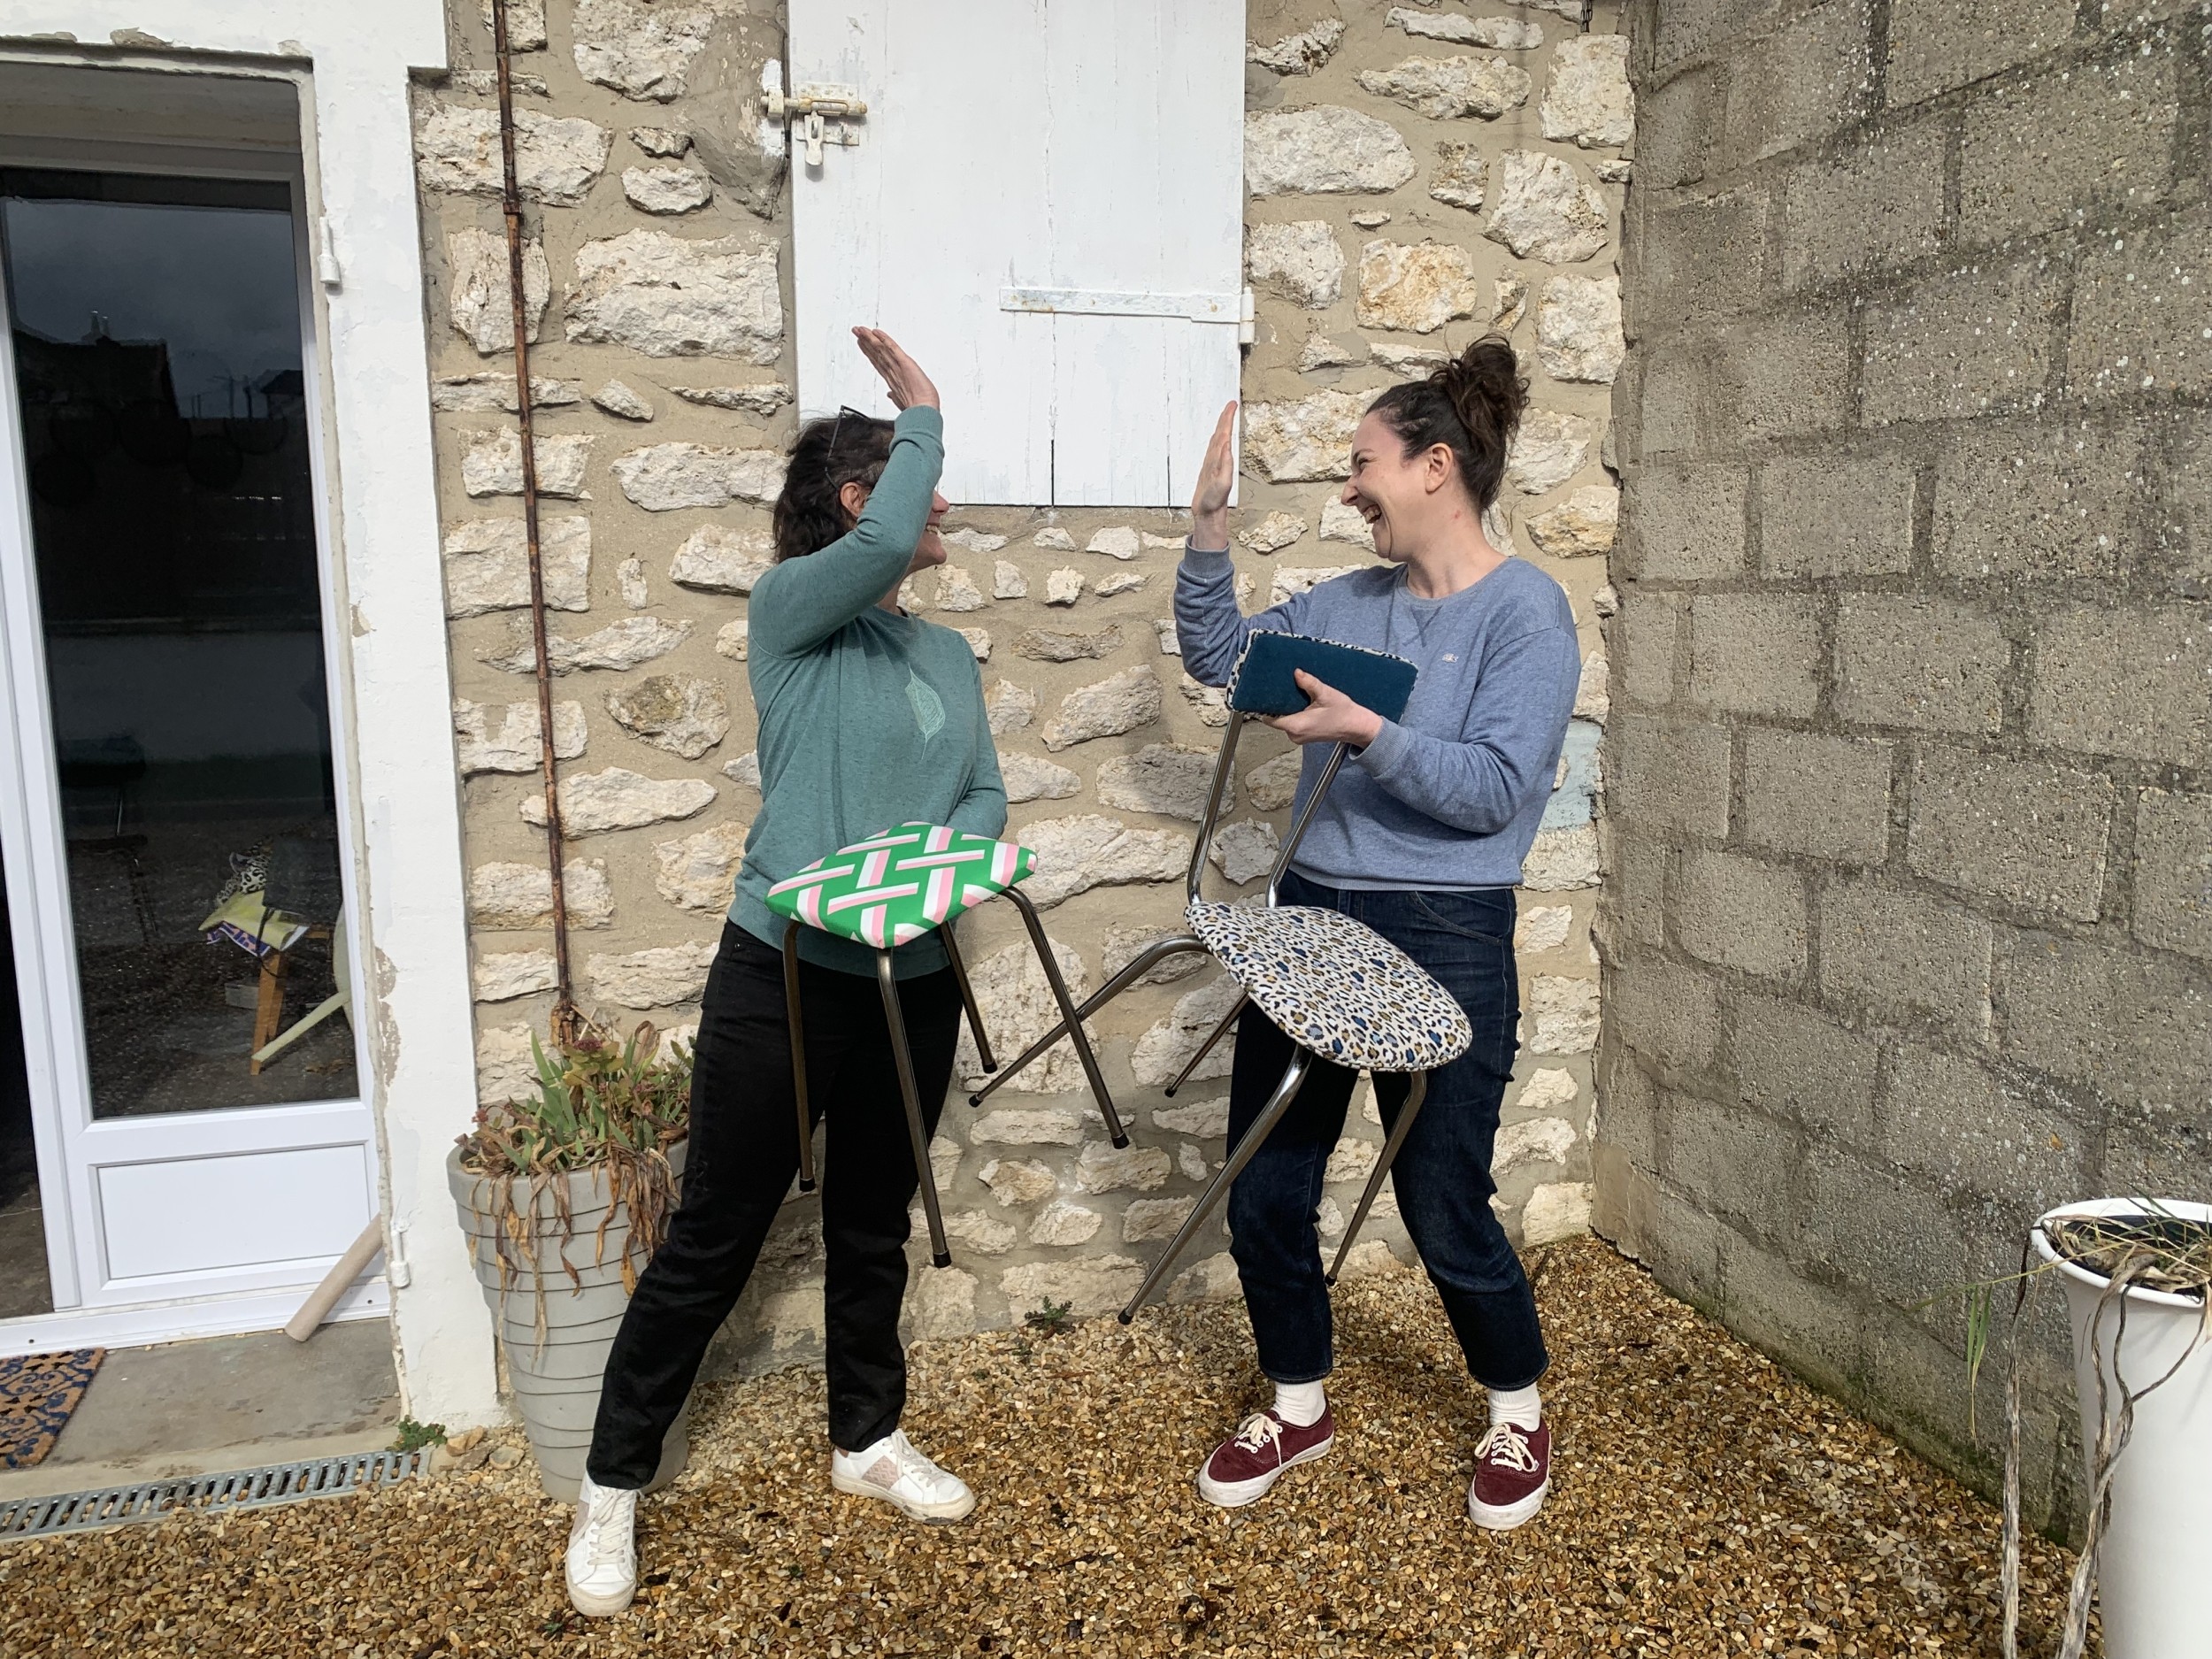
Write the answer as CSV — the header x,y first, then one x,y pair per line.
x,y
817,113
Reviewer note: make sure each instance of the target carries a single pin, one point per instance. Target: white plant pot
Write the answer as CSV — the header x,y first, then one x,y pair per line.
x,y
2154,1565
556,1381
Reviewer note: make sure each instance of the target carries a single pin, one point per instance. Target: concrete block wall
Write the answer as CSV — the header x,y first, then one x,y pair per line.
x,y
1908,930
1469,177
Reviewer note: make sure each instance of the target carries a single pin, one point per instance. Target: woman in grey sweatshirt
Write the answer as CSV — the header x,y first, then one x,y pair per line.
x,y
1421,837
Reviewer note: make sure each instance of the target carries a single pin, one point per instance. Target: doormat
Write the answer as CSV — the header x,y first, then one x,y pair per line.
x,y
37,1393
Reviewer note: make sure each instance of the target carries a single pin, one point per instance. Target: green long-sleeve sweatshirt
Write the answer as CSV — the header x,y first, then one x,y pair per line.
x,y
868,718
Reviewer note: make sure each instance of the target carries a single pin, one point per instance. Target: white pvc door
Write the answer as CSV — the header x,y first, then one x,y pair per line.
x,y
1044,204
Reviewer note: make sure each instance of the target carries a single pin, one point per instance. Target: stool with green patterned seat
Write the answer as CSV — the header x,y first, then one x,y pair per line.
x,y
888,891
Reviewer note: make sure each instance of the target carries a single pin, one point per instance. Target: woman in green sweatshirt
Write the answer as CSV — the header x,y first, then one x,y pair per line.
x,y
868,718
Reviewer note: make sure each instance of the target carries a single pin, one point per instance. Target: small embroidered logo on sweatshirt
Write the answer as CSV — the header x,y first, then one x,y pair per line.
x,y
929,709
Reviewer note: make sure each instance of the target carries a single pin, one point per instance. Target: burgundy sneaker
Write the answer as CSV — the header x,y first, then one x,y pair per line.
x,y
1245,1465
1512,1475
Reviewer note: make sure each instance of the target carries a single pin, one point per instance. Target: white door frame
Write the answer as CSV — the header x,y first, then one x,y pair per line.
x,y
413,1003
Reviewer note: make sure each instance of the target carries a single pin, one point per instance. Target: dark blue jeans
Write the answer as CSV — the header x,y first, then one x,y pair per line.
x,y
1442,1173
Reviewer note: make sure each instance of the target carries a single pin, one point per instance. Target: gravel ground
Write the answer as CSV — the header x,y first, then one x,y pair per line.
x,y
1703,1503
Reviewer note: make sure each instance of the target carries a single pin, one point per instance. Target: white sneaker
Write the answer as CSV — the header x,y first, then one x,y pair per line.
x,y
894,1471
602,1550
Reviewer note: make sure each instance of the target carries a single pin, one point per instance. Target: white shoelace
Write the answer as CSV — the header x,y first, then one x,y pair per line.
x,y
1505,1443
1256,1430
912,1461
602,1534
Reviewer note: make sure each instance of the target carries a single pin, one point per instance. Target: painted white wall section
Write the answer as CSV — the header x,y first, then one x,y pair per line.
x,y
360,174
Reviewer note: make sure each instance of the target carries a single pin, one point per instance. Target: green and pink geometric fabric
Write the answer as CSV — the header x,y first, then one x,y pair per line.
x,y
900,884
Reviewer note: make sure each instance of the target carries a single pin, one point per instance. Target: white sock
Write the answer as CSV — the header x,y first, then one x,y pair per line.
x,y
1524,1408
1300,1404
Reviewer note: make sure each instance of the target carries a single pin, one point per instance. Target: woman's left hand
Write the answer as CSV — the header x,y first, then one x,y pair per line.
x,y
1330,717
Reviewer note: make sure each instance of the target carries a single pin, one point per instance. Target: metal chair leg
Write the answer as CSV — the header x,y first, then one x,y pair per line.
x,y
1263,1125
1071,1018
1207,1047
1416,1092
967,998
1179,944
798,1054
887,981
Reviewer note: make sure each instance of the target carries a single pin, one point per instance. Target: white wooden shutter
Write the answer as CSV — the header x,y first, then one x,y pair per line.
x,y
1045,199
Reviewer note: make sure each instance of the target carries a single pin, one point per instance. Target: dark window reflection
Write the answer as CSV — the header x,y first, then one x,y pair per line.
x,y
157,335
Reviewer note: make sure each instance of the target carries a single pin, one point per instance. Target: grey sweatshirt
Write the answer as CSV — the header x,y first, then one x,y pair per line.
x,y
1449,795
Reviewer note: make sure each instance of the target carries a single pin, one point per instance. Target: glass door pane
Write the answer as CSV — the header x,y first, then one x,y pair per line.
x,y
157,348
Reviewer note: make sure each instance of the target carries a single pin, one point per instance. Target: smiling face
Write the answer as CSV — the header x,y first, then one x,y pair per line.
x,y
1403,497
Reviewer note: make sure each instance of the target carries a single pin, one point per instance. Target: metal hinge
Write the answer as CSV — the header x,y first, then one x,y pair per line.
x,y
809,110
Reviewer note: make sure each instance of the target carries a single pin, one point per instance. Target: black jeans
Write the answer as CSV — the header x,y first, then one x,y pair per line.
x,y
744,1152
1442,1173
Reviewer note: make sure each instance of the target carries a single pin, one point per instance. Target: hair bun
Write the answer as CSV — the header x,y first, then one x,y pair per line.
x,y
1488,390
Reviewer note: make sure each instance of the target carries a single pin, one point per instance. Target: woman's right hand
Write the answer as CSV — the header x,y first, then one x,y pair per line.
x,y
1216,478
903,377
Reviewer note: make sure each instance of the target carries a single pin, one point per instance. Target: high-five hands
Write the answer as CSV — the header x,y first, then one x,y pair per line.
x,y
903,377
1217,477
1330,717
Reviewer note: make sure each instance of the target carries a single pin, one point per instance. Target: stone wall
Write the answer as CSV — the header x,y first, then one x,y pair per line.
x,y
1418,176
1908,933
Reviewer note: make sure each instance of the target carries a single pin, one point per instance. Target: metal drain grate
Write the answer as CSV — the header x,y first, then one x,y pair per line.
x,y
245,1489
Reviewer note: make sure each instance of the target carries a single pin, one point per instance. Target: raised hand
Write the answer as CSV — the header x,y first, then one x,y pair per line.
x,y
903,377
1217,477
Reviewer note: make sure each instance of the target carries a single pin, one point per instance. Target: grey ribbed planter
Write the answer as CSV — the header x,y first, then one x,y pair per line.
x,y
556,1377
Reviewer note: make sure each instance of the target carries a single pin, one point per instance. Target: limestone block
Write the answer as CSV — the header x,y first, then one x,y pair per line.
x,y
1549,1089
1321,352
505,1068
620,645
1017,1007
521,895
944,1157
526,23
1302,261
1549,449
1121,942
680,713
515,747
491,463
1273,533
1561,860
1149,1218
500,975
663,476
717,560
1208,1120
939,1304
1246,850
487,565
762,397
1063,587
1515,35
1127,583
1408,360
618,399
1085,1284
558,159
1008,707
1007,580
973,541
1417,286
1458,178
1343,523
1211,1279
1303,440
1117,541
1564,1013
1578,328
485,393
666,976
1508,299
1018,1180
1009,1126
1581,525
1162,1049
1352,1159
1163,778
747,155
744,771
1062,1223
1271,786
1544,211
1325,150
592,801
1593,698
667,190
1106,708
699,873
1537,1141
974,1230
1077,854
1558,1210
1542,927
669,296
480,301
1104,1168
660,141
1444,88
641,50
1293,578
630,577
1212,702
957,590
1066,645
1163,628
1052,537
1299,54
1586,97
1033,778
